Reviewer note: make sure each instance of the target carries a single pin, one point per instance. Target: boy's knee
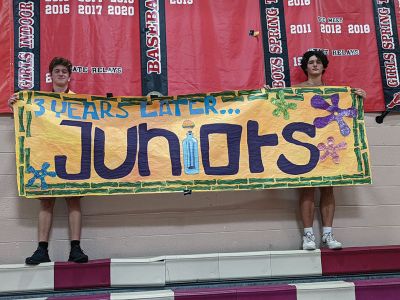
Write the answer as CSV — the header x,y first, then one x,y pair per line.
x,y
47,203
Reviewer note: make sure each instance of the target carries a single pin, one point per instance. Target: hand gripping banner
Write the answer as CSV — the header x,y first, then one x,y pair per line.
x,y
235,140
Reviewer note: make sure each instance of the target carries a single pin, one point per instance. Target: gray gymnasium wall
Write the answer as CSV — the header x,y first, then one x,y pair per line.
x,y
152,225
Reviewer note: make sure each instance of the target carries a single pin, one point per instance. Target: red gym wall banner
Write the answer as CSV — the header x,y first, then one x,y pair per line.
x,y
172,47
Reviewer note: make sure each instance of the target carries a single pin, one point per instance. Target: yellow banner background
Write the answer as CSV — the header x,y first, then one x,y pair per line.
x,y
40,137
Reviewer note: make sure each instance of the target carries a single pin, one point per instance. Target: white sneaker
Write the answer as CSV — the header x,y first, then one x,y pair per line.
x,y
329,241
309,241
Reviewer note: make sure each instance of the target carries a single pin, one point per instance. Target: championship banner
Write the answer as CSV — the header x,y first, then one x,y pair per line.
x,y
347,32
389,51
236,140
153,50
174,47
5,55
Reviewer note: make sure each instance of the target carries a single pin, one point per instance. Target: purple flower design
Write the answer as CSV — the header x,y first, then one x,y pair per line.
x,y
337,114
331,150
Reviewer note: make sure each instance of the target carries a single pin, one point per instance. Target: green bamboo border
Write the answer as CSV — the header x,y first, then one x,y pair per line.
x,y
109,188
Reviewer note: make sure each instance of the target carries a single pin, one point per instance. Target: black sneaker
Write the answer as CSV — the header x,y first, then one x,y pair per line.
x,y
77,255
39,256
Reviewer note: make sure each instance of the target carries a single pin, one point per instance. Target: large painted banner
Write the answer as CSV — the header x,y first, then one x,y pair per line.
x,y
235,140
171,47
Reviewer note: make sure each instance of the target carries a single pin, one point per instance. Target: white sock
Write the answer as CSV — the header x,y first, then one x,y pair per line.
x,y
326,230
308,229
